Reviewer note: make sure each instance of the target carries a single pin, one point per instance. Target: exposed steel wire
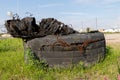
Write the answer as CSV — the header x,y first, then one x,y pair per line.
x,y
81,47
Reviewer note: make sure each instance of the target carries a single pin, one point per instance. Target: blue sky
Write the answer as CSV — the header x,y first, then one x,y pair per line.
x,y
71,12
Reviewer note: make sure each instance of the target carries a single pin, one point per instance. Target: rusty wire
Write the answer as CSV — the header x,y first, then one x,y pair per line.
x,y
83,46
62,42
80,47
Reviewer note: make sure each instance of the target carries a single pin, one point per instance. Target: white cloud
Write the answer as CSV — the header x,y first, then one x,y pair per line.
x,y
96,1
72,13
87,2
110,1
50,5
100,4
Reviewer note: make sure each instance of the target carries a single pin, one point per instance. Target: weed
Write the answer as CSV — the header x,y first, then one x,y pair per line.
x,y
12,66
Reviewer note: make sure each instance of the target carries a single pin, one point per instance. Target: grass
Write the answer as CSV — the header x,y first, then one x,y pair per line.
x,y
12,66
111,32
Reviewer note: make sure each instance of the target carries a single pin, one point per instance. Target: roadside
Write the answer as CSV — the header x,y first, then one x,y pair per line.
x,y
112,38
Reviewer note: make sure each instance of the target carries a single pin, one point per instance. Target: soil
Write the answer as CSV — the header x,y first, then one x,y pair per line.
x,y
112,38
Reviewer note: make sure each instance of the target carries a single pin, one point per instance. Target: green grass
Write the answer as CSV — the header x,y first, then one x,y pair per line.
x,y
111,32
12,66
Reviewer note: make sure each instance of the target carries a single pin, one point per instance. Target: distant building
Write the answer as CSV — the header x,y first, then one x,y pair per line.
x,y
5,35
112,30
101,30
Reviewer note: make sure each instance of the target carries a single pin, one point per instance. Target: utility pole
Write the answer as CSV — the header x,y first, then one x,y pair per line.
x,y
96,23
82,25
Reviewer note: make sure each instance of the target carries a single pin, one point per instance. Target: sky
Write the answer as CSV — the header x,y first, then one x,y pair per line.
x,y
96,14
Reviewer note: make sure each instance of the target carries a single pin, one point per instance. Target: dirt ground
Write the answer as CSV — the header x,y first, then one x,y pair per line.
x,y
112,38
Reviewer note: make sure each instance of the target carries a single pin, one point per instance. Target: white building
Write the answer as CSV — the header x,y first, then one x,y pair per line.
x,y
112,30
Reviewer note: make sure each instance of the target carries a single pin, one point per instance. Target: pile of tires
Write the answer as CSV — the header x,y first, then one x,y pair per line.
x,y
88,48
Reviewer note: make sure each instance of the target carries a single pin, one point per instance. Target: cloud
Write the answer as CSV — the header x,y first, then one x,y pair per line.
x,y
96,1
100,4
50,5
85,1
72,13
110,1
